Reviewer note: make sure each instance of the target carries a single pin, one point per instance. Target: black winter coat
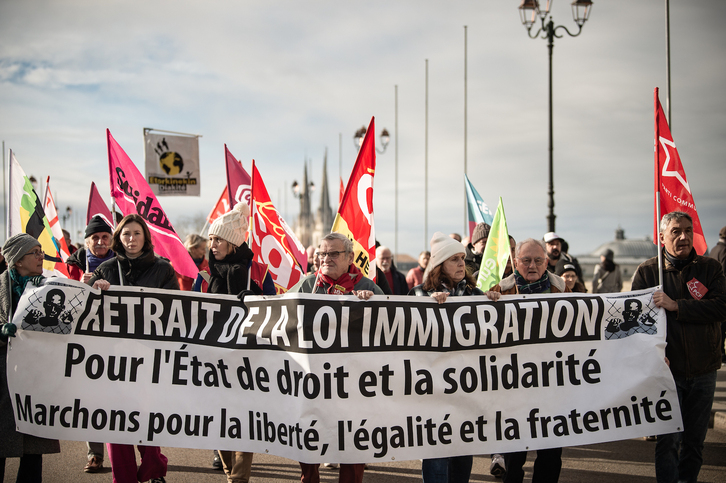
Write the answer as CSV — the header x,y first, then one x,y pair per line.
x,y
148,270
694,331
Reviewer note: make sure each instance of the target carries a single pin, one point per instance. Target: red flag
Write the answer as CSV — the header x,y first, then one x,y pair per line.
x,y
238,180
133,195
355,213
670,180
59,240
269,240
220,208
342,192
96,206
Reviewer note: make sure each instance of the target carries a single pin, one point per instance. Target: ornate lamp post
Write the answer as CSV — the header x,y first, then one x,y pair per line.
x,y
529,10
361,133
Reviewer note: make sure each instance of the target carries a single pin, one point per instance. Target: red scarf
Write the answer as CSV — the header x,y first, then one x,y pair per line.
x,y
342,285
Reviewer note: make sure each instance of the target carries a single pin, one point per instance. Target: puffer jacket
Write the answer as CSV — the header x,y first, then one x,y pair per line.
x,y
694,332
148,270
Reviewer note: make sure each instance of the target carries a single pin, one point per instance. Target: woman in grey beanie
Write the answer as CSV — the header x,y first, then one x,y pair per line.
x,y
25,265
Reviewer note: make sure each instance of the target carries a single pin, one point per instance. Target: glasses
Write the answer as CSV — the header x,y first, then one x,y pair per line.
x,y
36,253
528,261
331,255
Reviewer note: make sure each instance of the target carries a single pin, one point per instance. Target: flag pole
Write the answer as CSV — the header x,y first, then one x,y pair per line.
x,y
657,189
660,251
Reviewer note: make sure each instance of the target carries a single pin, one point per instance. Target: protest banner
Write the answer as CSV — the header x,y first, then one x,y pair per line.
x,y
332,378
172,163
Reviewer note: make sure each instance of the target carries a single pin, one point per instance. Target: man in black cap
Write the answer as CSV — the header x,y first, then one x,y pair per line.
x,y
81,265
83,262
475,249
557,254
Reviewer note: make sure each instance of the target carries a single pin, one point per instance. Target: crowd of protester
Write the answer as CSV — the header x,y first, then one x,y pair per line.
x,y
125,256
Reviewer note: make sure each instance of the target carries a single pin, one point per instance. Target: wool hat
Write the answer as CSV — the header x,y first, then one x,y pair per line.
x,y
608,254
17,246
481,230
552,236
97,225
233,225
567,267
442,247
722,233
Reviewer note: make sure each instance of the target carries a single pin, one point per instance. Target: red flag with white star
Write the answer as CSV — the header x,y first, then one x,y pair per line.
x,y
670,180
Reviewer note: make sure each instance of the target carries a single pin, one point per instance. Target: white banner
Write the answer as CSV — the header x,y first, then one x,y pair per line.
x,y
172,164
324,378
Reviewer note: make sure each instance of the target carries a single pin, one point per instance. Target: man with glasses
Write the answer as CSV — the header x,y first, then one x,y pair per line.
x,y
338,275
531,277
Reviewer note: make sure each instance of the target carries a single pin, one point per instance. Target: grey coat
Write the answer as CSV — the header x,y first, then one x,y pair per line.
x,y
13,443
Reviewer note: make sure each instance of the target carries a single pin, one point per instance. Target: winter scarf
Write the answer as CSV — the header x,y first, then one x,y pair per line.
x,y
540,286
343,285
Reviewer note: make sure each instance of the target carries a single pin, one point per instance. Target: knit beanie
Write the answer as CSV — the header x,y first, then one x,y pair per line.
x,y
608,254
481,230
17,246
442,248
97,225
233,225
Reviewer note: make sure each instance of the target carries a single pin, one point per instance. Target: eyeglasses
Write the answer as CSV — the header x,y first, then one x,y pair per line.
x,y
36,253
331,255
528,261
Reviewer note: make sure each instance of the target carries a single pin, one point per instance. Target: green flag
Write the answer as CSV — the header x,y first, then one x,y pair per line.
x,y
496,252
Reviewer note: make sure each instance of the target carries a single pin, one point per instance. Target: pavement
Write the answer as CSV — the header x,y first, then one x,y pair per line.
x,y
628,461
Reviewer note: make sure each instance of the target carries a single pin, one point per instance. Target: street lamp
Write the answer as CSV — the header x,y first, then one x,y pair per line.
x,y
360,134
529,10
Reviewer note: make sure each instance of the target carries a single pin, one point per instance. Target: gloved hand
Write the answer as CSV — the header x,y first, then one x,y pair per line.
x,y
8,330
241,296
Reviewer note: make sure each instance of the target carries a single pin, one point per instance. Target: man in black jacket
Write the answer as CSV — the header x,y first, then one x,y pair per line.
x,y
396,280
694,297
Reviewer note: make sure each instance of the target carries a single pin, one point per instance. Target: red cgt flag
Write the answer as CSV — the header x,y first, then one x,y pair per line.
x,y
270,240
355,213
671,184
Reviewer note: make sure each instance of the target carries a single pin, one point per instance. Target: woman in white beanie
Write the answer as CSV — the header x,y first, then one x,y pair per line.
x,y
446,276
232,270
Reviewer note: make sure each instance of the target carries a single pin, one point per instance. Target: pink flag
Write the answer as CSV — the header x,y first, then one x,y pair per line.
x,y
96,206
133,195
269,240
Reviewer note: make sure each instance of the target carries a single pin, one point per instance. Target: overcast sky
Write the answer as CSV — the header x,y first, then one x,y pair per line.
x,y
282,81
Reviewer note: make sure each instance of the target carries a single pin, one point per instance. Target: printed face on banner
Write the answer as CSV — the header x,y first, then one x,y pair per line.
x,y
678,238
55,311
628,316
